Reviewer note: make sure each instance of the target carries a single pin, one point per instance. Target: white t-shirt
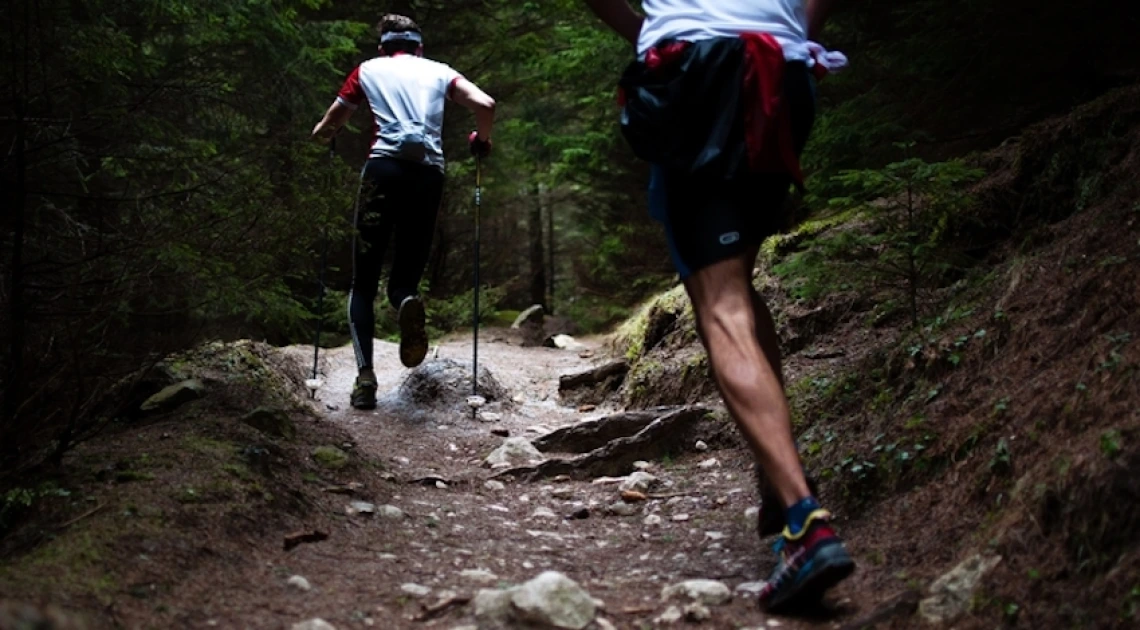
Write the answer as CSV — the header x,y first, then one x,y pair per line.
x,y
695,20
406,94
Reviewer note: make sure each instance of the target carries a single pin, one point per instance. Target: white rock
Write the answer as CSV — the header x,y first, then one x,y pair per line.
x,y
672,614
604,624
709,463
415,590
314,624
300,583
492,608
710,592
553,599
751,514
543,512
680,518
714,535
403,461
774,623
513,451
621,508
495,485
952,594
749,589
490,416
391,513
360,507
387,557
642,465
639,481
652,520
700,446
562,493
478,575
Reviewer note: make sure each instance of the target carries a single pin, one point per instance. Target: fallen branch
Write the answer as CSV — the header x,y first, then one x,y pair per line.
x,y
292,540
438,608
584,437
83,516
667,434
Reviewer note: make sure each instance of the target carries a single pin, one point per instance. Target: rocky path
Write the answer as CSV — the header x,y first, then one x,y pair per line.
x,y
435,525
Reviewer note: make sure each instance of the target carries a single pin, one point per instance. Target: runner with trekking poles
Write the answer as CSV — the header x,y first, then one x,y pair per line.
x,y
720,100
401,184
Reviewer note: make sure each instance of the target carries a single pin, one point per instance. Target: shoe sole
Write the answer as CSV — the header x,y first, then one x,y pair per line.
x,y
364,403
413,335
830,566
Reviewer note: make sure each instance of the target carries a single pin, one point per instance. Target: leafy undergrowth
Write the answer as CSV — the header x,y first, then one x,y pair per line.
x,y
1007,421
159,502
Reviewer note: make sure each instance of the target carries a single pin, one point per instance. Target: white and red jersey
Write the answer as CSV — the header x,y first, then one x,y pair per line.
x,y
695,20
406,94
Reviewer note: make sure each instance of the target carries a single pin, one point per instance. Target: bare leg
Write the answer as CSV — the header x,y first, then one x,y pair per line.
x,y
735,332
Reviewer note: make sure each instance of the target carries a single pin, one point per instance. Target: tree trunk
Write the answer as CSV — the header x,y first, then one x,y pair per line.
x,y
537,251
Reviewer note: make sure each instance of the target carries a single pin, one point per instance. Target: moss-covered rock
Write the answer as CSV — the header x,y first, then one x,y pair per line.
x,y
330,457
272,422
174,396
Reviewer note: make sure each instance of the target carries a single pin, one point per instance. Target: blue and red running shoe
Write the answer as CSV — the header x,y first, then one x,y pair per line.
x,y
809,563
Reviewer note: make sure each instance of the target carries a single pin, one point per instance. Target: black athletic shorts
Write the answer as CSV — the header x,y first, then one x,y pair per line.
x,y
708,219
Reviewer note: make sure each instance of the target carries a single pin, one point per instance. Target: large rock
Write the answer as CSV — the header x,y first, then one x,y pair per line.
x,y
952,594
444,385
514,451
272,422
554,600
563,342
532,316
173,397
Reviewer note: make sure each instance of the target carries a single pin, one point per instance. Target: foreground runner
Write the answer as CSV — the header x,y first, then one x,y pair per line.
x,y
402,182
721,101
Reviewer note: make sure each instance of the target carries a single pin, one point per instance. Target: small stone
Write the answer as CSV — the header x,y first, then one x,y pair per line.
x,y
415,590
700,446
714,535
586,408
391,513
501,432
441,485
272,422
561,479
174,396
710,592
622,508
672,614
495,485
543,512
313,624
652,520
680,518
633,496
360,507
750,589
553,600
403,461
952,595
562,493
697,612
751,514
642,465
300,583
709,463
387,557
638,482
479,575
774,623
488,416
604,624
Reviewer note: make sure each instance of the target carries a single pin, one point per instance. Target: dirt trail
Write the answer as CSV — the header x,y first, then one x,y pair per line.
x,y
357,574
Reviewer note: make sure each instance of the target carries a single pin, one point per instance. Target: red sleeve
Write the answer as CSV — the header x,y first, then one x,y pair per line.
x,y
352,93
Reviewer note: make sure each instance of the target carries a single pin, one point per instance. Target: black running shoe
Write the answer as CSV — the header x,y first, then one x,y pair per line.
x,y
413,332
809,564
364,393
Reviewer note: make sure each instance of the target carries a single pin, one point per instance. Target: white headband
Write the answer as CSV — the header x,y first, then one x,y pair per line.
x,y
406,36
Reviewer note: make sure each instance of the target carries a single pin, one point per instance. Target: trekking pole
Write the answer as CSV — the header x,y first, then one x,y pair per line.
x,y
314,383
475,311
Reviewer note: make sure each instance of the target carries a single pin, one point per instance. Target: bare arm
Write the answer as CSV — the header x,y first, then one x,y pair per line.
x,y
817,12
618,15
335,118
470,96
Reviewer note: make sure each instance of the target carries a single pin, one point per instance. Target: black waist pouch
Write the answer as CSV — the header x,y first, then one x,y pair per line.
x,y
685,112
